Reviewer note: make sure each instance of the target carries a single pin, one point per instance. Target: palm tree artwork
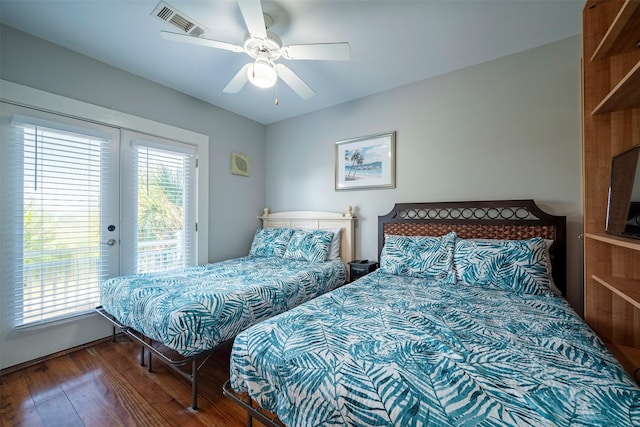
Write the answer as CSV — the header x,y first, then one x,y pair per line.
x,y
356,160
362,161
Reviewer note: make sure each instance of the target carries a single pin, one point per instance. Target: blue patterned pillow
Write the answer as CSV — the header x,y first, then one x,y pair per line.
x,y
309,245
419,256
517,265
270,242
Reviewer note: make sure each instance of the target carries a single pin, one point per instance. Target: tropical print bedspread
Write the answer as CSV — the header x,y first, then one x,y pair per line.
x,y
194,309
390,350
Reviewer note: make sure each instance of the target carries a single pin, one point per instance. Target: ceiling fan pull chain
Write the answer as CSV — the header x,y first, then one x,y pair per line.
x,y
276,101
253,69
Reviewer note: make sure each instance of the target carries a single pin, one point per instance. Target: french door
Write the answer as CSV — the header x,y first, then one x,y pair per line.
x,y
83,202
60,227
158,198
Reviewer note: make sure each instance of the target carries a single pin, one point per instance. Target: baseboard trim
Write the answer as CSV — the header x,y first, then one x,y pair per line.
x,y
30,363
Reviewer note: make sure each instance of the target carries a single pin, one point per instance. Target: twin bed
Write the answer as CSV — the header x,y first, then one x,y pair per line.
x,y
182,316
464,327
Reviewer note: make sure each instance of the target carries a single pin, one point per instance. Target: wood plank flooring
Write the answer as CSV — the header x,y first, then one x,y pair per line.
x,y
104,385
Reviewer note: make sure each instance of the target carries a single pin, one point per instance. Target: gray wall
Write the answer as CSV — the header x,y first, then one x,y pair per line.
x,y
235,201
505,129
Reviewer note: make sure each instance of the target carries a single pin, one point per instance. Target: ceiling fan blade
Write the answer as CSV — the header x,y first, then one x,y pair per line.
x,y
294,82
201,41
238,81
252,13
319,51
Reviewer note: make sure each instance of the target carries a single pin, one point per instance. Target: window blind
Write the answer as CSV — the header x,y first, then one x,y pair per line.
x,y
164,175
58,187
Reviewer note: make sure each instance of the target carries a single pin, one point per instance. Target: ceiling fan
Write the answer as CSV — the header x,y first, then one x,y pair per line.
x,y
265,48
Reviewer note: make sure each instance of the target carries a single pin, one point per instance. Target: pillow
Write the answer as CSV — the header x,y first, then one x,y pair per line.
x,y
419,256
334,250
309,245
554,288
517,265
270,242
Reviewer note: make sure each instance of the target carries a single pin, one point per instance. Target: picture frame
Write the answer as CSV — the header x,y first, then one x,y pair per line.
x,y
240,164
366,162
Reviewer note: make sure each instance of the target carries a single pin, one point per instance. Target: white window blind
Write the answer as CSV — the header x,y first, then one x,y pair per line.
x,y
57,190
165,230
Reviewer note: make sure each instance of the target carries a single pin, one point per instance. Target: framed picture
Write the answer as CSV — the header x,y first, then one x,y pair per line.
x,y
239,164
366,162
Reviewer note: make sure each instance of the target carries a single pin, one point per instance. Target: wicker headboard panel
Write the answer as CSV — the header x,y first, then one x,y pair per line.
x,y
499,219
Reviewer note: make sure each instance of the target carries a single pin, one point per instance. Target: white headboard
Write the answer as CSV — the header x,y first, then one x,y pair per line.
x,y
312,220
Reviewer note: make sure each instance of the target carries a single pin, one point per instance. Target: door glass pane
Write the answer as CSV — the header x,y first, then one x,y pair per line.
x,y
62,263
162,236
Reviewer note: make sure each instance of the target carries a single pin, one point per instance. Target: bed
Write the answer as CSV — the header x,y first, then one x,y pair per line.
x,y
181,316
465,327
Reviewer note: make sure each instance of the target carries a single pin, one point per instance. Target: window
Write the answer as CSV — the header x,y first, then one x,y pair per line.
x,y
65,233
72,329
162,198
61,173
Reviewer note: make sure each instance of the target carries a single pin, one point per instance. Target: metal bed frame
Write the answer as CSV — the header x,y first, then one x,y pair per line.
x,y
496,219
267,418
293,219
157,348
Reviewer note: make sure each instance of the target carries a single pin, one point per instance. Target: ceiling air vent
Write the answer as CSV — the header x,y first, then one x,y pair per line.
x,y
173,16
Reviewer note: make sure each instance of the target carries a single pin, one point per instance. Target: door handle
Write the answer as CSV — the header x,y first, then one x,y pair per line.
x,y
110,242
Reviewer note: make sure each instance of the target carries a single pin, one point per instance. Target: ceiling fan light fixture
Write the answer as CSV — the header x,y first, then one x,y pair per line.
x,y
262,45
262,74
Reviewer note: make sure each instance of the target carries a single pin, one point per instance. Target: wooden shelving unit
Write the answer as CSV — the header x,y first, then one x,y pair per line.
x,y
627,356
627,289
624,96
615,240
623,33
611,125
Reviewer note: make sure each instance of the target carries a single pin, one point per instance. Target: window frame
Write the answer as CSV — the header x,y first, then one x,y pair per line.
x,y
21,345
63,140
23,96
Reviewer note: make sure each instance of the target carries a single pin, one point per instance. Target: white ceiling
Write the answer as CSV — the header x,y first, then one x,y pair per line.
x,y
393,42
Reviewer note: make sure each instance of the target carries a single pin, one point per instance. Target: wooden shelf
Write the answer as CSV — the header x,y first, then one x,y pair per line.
x,y
615,240
610,108
625,95
627,289
623,35
629,357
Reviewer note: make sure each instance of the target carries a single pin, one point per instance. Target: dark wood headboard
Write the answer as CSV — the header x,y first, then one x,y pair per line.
x,y
495,219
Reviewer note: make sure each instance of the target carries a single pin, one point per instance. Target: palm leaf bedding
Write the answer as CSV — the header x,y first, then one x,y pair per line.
x,y
194,309
388,350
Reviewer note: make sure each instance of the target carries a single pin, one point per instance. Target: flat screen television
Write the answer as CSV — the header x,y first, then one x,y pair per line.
x,y
623,211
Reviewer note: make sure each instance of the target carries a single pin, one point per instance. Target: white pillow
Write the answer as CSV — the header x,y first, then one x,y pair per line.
x,y
334,250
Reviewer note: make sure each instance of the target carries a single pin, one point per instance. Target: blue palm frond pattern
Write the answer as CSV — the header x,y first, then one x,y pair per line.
x,y
388,350
309,245
419,256
518,265
194,309
268,242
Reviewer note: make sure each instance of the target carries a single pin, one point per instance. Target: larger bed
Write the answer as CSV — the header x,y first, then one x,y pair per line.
x,y
182,315
451,330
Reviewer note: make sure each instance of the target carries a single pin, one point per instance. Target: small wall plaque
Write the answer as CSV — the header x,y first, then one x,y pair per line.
x,y
239,164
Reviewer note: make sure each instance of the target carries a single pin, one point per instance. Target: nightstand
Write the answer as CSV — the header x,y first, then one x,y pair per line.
x,y
359,268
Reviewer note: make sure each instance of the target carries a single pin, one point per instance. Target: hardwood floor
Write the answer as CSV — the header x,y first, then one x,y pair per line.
x,y
104,385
